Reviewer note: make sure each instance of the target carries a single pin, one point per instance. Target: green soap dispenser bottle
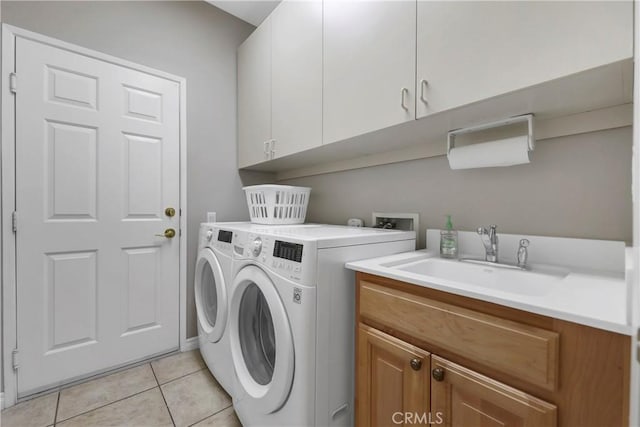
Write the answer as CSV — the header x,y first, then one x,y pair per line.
x,y
449,241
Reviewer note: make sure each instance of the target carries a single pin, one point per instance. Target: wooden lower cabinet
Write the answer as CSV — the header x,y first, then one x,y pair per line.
x,y
401,384
394,379
463,398
496,365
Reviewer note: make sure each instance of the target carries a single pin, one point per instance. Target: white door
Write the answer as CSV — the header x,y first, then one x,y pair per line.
x,y
369,66
97,163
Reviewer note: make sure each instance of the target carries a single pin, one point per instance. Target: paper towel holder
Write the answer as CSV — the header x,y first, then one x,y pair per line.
x,y
451,135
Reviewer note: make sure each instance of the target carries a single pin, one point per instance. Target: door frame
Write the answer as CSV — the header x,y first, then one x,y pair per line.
x,y
8,186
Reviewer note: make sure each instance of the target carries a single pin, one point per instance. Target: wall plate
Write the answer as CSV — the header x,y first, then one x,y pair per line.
x,y
403,221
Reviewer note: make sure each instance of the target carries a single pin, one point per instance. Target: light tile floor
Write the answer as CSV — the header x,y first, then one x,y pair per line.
x,y
174,391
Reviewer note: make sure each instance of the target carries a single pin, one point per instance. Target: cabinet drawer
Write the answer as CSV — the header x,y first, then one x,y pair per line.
x,y
523,351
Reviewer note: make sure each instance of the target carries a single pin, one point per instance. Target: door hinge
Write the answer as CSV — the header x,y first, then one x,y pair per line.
x,y
15,359
13,82
14,221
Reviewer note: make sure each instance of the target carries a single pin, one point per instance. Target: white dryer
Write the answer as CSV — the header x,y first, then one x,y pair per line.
x,y
292,311
211,288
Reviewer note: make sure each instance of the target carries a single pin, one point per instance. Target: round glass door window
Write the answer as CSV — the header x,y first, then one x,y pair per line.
x,y
257,335
209,294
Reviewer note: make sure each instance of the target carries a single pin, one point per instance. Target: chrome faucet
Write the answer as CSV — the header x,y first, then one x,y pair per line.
x,y
490,240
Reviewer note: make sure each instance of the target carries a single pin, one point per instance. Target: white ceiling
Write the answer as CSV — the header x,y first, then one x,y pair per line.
x,y
251,11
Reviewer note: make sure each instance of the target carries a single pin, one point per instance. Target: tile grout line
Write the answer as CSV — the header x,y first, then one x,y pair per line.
x,y
212,415
55,415
180,377
108,404
164,399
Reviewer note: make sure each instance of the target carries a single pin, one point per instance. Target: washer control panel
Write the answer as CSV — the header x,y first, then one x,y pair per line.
x,y
283,257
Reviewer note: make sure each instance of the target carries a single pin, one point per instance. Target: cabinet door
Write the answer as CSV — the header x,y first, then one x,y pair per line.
x,y
393,380
254,96
462,398
472,50
369,58
296,76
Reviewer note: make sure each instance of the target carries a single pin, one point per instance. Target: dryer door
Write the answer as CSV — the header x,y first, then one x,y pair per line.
x,y
211,295
261,341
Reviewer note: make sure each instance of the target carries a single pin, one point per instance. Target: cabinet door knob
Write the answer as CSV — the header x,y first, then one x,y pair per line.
x,y
416,364
438,374
403,94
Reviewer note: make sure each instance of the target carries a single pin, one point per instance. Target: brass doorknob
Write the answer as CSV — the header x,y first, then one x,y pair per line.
x,y
169,212
169,233
416,364
438,374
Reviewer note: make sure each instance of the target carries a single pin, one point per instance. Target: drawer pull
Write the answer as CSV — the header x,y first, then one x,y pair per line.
x,y
438,374
416,364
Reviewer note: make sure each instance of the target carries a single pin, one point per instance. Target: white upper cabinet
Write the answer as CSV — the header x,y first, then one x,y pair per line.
x,y
296,76
369,66
470,51
254,96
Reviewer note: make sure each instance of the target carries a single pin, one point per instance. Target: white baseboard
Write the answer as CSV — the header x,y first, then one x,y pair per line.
x,y
190,344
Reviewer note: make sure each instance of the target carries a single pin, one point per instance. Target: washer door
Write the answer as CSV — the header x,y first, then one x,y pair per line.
x,y
211,295
261,341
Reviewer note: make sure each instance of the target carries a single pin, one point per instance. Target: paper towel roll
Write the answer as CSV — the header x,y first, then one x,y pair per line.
x,y
503,152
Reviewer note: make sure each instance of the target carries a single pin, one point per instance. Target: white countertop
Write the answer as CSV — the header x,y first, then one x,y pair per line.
x,y
592,298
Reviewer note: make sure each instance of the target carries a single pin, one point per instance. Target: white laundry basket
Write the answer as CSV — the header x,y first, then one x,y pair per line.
x,y
277,204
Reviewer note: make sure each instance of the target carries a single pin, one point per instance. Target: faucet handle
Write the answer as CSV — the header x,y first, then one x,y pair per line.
x,y
482,230
523,253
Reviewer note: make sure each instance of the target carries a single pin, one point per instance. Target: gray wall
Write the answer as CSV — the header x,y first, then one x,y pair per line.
x,y
190,39
576,186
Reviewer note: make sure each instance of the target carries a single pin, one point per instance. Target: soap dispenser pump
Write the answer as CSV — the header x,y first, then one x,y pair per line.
x,y
449,241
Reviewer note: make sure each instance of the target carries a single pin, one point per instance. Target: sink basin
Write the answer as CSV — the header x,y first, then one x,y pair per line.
x,y
536,282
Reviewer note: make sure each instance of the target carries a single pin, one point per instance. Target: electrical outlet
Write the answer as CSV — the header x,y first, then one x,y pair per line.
x,y
211,217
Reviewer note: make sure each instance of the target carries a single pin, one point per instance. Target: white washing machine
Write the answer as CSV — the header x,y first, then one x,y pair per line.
x,y
292,312
211,287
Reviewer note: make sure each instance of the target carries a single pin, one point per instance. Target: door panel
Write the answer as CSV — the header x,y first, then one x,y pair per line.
x,y
471,50
97,161
467,398
369,57
254,96
393,380
296,76
71,171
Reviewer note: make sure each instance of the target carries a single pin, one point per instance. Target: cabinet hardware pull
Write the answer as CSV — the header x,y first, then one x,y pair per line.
x,y
416,364
423,85
267,151
273,149
438,374
404,92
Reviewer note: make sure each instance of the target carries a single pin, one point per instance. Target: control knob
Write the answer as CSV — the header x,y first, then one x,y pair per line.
x,y
257,246
209,235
